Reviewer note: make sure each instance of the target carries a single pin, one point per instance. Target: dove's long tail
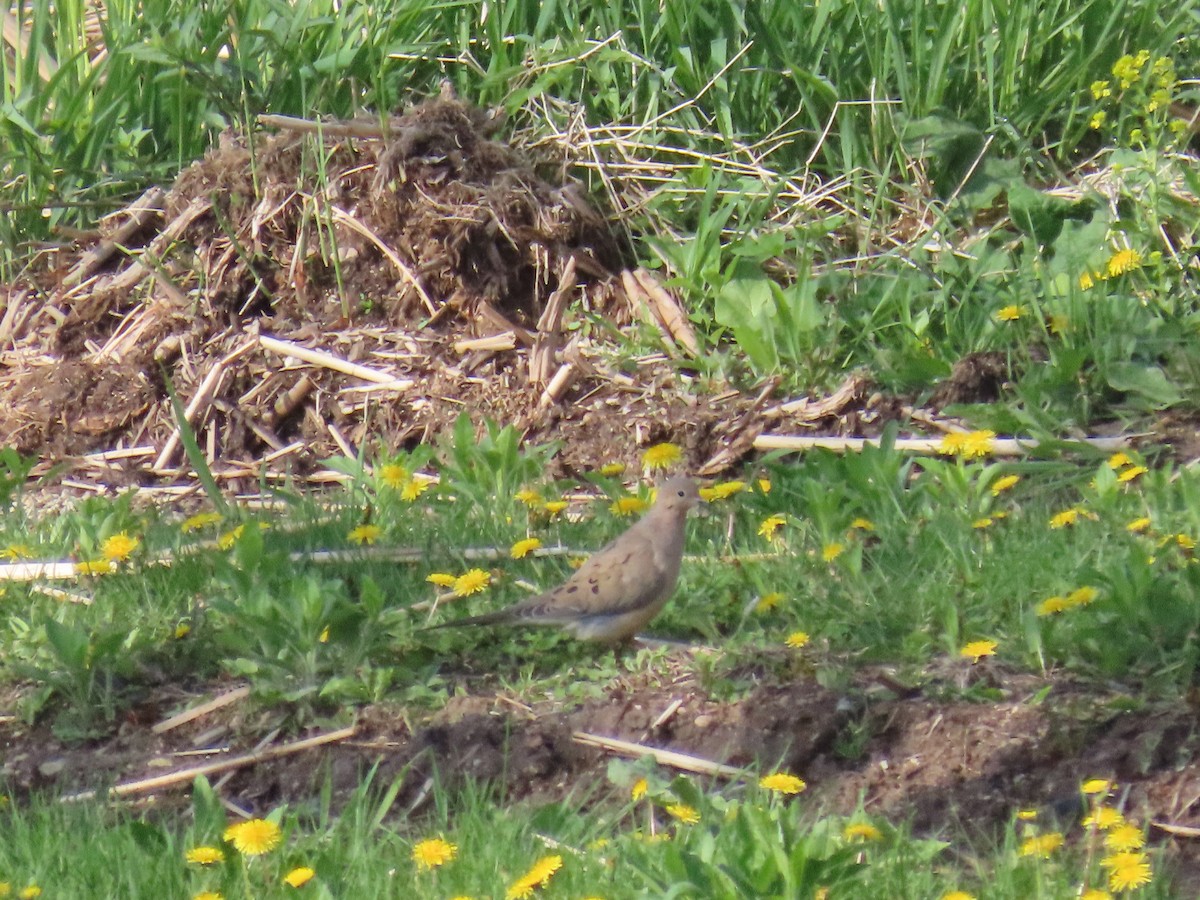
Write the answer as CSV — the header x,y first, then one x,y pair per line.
x,y
496,618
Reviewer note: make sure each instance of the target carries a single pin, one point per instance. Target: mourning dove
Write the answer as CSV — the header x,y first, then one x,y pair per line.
x,y
621,587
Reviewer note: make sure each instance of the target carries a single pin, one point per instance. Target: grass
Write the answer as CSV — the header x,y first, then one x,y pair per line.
x,y
829,187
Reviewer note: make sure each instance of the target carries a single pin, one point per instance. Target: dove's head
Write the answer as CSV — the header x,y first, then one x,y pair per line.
x,y
678,494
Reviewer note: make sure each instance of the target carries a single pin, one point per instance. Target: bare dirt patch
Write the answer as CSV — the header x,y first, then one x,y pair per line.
x,y
935,763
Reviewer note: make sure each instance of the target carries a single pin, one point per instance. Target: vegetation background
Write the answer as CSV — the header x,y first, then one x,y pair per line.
x,y
829,186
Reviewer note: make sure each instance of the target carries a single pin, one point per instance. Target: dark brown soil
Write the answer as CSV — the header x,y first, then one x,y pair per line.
x,y
934,763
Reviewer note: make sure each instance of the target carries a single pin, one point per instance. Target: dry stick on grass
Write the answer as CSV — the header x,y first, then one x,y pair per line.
x,y
682,761
930,446
203,709
186,776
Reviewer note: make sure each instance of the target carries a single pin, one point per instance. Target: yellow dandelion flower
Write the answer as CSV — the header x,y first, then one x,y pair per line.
x,y
1027,815
797,639
832,551
365,534
182,630
1066,517
861,831
638,791
764,485
254,837
768,602
231,537
205,856
524,547
952,443
612,469
722,490
208,895
958,895
1119,460
1042,845
1096,786
661,456
1004,483
1052,606
985,522
95,567
1082,596
1095,894
1131,473
538,876
554,507
977,650
1097,120
1101,89
299,876
627,506
29,892
471,582
1009,313
433,852
530,498
1127,871
1124,837
1058,323
198,521
1087,280
1122,261
414,488
119,547
782,783
861,524
770,525
442,579
1137,526
323,637
16,551
1185,542
683,813
393,475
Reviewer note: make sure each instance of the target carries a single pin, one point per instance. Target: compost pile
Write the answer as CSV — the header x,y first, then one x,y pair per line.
x,y
318,288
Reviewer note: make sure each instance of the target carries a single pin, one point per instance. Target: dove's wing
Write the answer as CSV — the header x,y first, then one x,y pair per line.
x,y
626,575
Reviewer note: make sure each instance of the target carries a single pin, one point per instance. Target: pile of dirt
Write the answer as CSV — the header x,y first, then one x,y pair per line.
x,y
331,285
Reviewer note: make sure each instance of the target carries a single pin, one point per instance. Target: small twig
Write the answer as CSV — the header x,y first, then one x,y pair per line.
x,y
682,761
141,211
325,360
200,401
203,709
999,446
186,776
350,222
666,308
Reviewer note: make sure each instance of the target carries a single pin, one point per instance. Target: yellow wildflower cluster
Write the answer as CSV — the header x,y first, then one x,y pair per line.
x,y
471,581
968,444
1146,91
1081,596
